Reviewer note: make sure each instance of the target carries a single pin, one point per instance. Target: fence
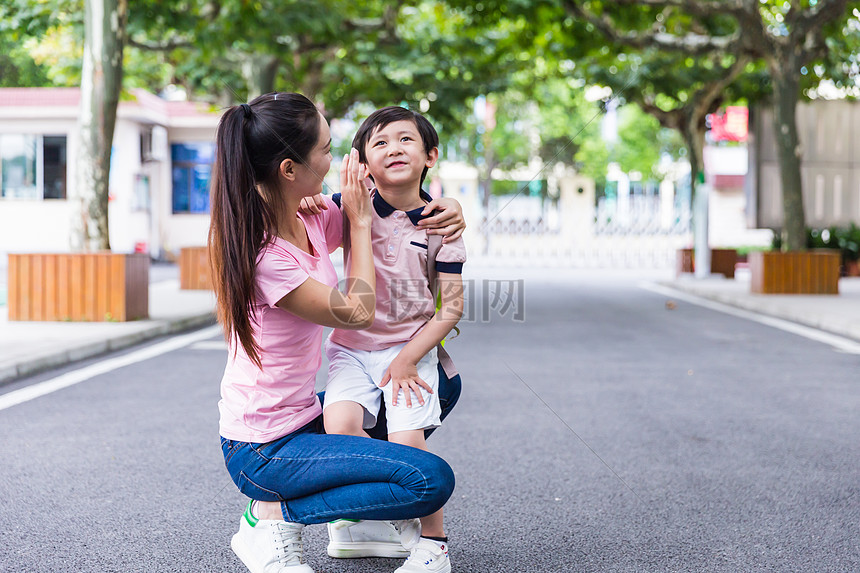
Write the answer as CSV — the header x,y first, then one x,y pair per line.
x,y
641,232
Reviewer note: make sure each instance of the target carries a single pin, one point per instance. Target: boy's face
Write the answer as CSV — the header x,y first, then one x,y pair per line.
x,y
396,157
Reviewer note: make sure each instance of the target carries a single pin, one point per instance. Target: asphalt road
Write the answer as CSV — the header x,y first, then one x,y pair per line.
x,y
598,431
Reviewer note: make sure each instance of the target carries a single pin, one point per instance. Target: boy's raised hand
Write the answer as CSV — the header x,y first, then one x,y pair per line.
x,y
313,205
403,374
355,197
448,220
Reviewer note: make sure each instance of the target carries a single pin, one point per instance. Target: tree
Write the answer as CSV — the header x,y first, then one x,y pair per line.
x,y
104,34
639,145
101,83
17,67
787,36
336,51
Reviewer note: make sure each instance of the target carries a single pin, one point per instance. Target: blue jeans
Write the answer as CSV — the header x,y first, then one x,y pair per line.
x,y
319,477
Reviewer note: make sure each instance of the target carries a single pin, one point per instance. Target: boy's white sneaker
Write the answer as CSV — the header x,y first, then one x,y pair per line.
x,y
352,538
427,556
269,546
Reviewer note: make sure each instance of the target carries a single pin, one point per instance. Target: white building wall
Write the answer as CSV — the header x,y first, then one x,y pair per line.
x,y
727,225
181,229
129,226
36,225
136,222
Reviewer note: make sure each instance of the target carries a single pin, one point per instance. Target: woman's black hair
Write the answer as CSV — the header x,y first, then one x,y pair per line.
x,y
251,142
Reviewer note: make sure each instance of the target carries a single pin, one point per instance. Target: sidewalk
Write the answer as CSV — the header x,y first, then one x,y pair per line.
x,y
27,348
838,314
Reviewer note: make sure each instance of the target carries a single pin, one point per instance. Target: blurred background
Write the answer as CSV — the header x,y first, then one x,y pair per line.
x,y
573,133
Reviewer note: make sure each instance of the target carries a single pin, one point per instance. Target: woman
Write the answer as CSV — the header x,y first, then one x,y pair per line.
x,y
276,290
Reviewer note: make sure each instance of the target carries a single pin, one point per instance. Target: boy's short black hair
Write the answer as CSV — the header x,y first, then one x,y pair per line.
x,y
382,117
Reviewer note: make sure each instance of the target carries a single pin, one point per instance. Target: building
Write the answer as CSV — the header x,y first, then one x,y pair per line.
x,y
829,132
161,160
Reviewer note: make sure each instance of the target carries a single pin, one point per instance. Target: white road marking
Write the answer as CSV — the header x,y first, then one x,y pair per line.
x,y
840,343
210,345
103,367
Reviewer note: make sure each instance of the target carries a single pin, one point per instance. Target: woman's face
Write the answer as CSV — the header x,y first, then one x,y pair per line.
x,y
318,161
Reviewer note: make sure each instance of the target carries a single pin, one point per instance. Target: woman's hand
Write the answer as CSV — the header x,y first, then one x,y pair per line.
x,y
403,374
355,198
313,205
448,221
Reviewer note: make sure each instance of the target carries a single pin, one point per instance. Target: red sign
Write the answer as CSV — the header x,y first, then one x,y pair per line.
x,y
732,125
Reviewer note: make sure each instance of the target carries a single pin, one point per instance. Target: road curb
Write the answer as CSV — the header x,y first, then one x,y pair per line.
x,y
32,366
769,308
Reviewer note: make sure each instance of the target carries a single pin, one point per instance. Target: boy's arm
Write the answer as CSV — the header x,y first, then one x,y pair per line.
x,y
448,220
403,370
313,205
334,223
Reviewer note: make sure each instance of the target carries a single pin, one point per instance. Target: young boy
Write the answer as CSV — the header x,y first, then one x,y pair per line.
x,y
395,361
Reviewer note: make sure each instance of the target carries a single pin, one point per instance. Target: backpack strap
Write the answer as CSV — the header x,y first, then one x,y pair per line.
x,y
434,243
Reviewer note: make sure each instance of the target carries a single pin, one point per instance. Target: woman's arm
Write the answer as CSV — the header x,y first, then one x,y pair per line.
x,y
448,221
403,370
321,304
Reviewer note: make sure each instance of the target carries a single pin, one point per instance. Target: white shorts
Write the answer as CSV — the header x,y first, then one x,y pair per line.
x,y
354,376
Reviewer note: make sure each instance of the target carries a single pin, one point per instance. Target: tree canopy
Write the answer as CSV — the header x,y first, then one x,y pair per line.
x,y
677,59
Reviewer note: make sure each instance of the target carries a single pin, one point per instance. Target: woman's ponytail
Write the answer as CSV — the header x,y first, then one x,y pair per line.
x,y
251,142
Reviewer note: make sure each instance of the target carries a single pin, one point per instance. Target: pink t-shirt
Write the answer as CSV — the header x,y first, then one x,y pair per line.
x,y
263,405
404,302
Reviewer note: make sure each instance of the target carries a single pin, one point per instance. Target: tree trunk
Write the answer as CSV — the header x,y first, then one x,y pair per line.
x,y
260,73
786,92
694,138
101,82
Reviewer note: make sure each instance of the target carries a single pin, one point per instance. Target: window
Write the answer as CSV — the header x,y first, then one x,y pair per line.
x,y
192,168
140,198
54,154
32,166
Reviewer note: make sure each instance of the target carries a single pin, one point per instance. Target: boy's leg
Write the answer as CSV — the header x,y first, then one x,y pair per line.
x,y
431,525
401,417
344,417
448,392
348,381
375,538
406,426
351,400
430,554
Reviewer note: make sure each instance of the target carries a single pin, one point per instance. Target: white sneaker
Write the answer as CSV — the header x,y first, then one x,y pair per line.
x,y
269,546
352,538
427,556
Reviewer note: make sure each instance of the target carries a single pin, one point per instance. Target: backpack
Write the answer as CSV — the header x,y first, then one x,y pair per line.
x,y
434,243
